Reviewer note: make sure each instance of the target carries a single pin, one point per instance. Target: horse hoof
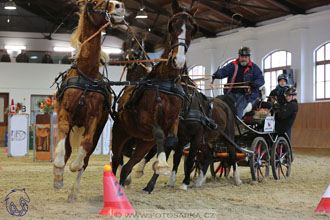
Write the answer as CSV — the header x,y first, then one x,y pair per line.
x,y
138,174
160,169
183,187
58,184
145,192
71,198
237,182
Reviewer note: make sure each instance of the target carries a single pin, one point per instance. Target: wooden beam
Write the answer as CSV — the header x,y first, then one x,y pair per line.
x,y
292,8
252,6
228,13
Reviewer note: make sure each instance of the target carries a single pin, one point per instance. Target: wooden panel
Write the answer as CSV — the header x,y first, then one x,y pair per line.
x,y
312,126
3,129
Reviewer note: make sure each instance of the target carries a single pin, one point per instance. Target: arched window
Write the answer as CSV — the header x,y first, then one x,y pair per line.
x,y
198,72
274,64
224,80
322,72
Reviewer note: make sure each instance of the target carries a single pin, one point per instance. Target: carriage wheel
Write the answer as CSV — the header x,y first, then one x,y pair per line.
x,y
218,167
281,159
260,161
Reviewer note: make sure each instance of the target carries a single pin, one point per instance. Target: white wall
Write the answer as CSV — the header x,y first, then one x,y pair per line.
x,y
300,35
21,80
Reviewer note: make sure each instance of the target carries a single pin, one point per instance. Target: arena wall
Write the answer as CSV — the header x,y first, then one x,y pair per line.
x,y
21,80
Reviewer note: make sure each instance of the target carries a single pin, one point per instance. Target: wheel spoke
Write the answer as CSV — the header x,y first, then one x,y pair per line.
x,y
261,173
262,154
283,173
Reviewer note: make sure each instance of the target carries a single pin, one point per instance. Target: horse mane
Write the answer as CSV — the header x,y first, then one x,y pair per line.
x,y
77,33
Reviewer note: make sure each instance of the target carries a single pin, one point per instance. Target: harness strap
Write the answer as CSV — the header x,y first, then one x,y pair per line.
x,y
233,79
81,103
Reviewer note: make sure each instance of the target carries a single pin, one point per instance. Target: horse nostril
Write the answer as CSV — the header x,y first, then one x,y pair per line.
x,y
117,5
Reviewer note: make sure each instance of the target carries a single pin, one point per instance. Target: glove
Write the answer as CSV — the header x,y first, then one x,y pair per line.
x,y
248,108
251,84
276,106
213,77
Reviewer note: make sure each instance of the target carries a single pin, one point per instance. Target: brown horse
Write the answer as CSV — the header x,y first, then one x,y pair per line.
x,y
83,97
153,116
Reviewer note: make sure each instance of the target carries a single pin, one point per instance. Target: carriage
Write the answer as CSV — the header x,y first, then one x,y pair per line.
x,y
255,133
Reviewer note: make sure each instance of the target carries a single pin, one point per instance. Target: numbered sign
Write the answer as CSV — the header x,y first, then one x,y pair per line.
x,y
269,124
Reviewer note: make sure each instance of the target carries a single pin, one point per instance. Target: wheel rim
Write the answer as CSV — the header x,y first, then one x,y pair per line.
x,y
260,162
282,160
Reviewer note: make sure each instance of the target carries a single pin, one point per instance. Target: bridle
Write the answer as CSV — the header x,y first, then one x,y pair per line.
x,y
191,18
90,9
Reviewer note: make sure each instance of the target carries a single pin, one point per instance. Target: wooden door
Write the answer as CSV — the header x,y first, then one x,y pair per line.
x,y
4,102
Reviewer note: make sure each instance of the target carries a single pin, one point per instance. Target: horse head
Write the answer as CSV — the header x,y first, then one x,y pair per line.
x,y
99,12
182,27
132,48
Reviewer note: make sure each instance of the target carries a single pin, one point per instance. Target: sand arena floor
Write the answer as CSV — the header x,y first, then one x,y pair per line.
x,y
294,198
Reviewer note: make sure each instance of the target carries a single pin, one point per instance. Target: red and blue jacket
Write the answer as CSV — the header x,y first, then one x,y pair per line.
x,y
251,74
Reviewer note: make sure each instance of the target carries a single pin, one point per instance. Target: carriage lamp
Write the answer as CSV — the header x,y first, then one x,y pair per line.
x,y
10,5
141,14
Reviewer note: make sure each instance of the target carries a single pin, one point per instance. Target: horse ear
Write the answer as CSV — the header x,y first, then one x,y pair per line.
x,y
194,8
175,6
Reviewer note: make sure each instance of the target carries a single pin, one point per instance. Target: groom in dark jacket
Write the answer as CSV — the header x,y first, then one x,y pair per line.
x,y
242,72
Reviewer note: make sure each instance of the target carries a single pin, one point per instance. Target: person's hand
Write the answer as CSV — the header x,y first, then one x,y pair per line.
x,y
251,84
213,77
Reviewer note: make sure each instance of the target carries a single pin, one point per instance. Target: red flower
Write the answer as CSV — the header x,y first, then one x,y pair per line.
x,y
44,101
48,104
41,106
17,107
48,100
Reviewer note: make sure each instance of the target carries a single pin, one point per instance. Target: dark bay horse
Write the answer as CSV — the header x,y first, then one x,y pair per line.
x,y
154,115
132,51
84,99
199,121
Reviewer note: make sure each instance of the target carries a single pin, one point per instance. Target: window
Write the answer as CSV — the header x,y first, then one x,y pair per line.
x,y
274,64
322,72
198,72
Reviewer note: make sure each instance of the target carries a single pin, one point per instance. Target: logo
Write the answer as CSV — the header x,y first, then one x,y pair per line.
x,y
17,202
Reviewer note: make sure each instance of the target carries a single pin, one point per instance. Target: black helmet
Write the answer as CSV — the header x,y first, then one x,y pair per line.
x,y
282,76
244,51
290,91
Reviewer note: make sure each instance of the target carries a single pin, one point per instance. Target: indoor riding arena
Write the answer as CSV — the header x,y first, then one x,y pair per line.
x,y
164,109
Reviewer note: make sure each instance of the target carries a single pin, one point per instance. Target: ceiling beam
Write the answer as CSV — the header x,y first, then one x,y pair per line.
x,y
228,13
252,6
292,8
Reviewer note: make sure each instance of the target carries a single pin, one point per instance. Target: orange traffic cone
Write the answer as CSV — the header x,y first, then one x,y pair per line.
x,y
324,205
115,200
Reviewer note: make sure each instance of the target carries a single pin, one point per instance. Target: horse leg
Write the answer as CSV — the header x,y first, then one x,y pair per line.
x,y
205,165
119,138
141,149
151,184
160,166
75,187
60,150
176,162
232,153
189,163
140,166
